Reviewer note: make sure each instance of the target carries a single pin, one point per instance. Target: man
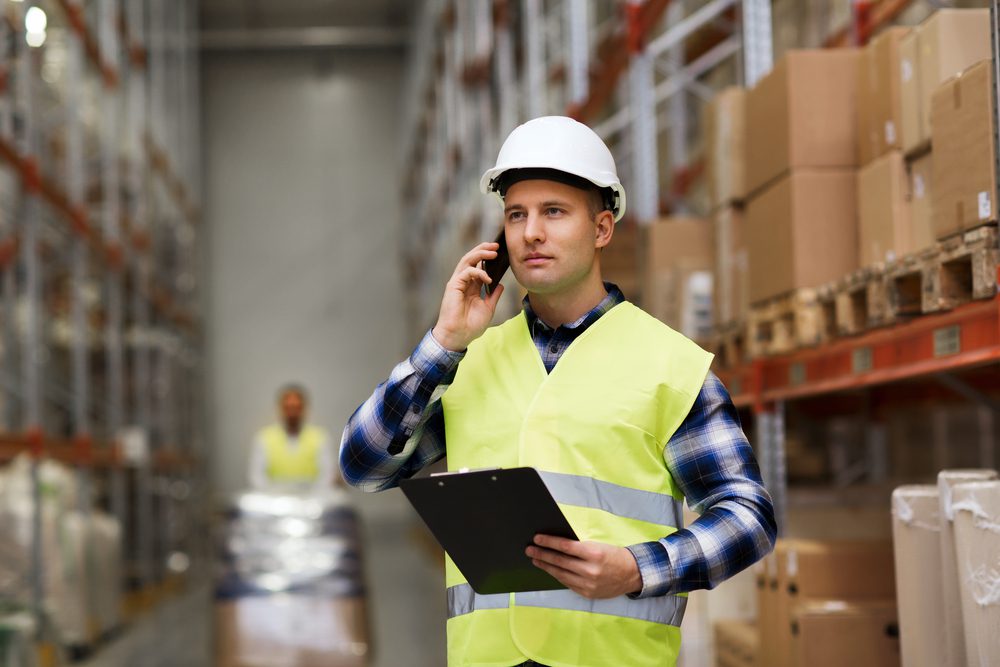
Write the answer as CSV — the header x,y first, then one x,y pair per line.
x,y
292,453
619,413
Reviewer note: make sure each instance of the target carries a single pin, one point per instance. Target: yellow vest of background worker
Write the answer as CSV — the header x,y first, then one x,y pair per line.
x,y
595,428
293,464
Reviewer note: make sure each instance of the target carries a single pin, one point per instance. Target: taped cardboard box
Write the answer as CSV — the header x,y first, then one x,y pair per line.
x,y
916,544
802,231
802,115
912,132
834,633
949,42
677,274
766,574
885,219
954,632
736,644
732,266
977,550
289,630
962,120
725,135
921,208
879,96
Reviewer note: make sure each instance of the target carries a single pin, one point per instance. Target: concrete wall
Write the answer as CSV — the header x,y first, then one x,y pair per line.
x,y
301,156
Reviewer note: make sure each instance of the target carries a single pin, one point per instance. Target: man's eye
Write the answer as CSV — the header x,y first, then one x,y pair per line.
x,y
553,211
515,215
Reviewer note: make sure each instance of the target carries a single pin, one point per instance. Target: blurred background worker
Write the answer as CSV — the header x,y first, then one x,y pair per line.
x,y
292,452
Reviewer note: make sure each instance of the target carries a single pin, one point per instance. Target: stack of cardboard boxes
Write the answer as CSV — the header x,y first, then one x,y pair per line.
x,y
831,155
725,166
800,166
948,151
813,594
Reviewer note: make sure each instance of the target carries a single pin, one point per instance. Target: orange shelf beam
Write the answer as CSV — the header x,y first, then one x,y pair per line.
x,y
964,338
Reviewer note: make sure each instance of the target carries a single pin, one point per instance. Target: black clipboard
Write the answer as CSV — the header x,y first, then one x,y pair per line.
x,y
485,519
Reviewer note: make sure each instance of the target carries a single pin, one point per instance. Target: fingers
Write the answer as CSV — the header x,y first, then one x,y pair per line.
x,y
477,255
573,547
467,276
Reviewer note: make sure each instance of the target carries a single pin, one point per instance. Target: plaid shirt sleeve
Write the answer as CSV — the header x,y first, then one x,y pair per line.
x,y
400,428
710,459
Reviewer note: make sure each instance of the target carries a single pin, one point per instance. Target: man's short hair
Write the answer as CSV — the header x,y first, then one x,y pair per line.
x,y
293,388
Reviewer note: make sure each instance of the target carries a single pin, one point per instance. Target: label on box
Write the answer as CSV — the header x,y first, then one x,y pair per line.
x,y
796,374
985,206
890,132
906,70
793,563
919,187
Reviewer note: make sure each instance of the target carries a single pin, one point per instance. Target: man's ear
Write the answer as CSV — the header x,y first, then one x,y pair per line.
x,y
604,229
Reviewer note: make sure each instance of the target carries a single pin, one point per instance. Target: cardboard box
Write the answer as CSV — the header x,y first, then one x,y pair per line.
x,y
977,550
949,42
885,219
962,120
807,570
879,96
951,585
620,260
802,231
677,274
770,652
732,269
291,630
835,633
836,569
802,114
911,122
915,514
736,644
921,209
724,147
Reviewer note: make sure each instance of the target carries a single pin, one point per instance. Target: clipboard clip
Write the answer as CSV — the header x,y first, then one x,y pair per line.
x,y
462,471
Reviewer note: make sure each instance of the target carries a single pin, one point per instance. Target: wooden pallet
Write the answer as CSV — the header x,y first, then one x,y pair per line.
x,y
860,302
786,323
729,342
957,270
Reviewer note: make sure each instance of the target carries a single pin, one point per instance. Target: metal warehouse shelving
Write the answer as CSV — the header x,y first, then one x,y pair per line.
x,y
98,239
637,71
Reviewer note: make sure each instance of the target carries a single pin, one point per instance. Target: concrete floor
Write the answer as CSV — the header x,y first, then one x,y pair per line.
x,y
406,602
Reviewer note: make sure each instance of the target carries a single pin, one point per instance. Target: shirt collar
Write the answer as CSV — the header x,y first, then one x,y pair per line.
x,y
610,300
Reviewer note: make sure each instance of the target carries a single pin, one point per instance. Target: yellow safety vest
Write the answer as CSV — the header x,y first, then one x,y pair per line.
x,y
595,428
287,464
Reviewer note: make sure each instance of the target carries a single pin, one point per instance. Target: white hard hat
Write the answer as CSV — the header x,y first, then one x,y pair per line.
x,y
560,144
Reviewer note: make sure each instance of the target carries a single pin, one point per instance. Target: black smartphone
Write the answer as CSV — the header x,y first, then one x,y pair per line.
x,y
497,267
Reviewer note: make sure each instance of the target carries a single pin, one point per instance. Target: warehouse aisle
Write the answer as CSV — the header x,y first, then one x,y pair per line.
x,y
177,633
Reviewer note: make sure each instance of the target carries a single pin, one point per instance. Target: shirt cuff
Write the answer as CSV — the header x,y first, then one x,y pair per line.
x,y
432,361
654,568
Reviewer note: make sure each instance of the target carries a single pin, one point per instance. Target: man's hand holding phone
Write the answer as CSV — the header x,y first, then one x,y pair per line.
x,y
465,314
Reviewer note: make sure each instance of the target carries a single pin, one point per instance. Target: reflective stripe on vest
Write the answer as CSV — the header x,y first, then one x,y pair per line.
x,y
665,609
618,500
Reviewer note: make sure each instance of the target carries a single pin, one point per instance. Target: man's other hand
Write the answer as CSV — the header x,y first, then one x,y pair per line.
x,y
591,569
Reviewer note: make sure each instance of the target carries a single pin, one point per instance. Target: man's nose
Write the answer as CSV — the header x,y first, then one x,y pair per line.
x,y
534,228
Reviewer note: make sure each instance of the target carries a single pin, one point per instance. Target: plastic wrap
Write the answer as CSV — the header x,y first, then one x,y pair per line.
x,y
976,506
290,588
81,569
916,540
954,634
280,543
17,648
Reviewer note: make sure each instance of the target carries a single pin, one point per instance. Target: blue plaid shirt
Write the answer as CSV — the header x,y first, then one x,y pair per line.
x,y
400,429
